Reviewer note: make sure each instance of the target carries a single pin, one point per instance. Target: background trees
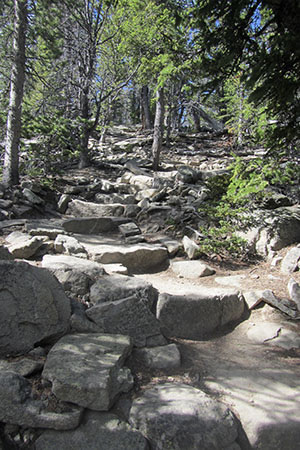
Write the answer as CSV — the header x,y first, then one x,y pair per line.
x,y
262,36
96,61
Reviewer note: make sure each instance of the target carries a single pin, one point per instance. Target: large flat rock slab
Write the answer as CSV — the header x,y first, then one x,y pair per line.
x,y
22,245
93,225
179,416
44,227
116,287
131,316
87,369
33,307
68,262
98,431
138,258
196,316
88,209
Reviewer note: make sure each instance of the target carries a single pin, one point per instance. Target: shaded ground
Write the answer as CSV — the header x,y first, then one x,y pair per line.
x,y
259,380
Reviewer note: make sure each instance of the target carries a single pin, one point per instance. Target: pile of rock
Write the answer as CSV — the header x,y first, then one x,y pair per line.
x,y
73,314
70,389
124,186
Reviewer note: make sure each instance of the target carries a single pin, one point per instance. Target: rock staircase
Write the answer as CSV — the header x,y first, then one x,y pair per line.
x,y
76,311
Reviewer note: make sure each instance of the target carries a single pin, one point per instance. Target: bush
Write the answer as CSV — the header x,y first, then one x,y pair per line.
x,y
229,207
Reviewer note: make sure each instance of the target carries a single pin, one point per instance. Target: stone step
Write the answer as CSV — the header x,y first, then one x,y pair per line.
x,y
87,369
137,258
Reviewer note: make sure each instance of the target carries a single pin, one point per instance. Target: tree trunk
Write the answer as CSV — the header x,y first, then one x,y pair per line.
x,y
145,109
196,120
84,159
158,128
168,125
240,118
216,126
180,117
13,127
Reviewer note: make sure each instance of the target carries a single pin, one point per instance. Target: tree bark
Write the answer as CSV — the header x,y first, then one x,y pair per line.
x,y
196,120
215,124
13,126
84,158
158,128
145,109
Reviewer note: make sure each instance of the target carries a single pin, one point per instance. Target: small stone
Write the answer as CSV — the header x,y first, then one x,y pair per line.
x,y
63,202
190,247
69,245
192,269
24,366
31,197
289,263
285,305
129,229
24,246
18,407
294,291
253,298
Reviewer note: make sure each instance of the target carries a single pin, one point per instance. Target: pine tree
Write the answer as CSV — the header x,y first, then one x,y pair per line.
x,y
264,35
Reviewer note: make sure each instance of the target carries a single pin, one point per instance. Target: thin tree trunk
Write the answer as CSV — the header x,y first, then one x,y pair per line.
x,y
240,119
179,117
84,159
158,128
196,120
13,127
215,124
145,109
168,125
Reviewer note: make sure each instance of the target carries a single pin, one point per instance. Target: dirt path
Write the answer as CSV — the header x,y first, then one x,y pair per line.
x,y
253,368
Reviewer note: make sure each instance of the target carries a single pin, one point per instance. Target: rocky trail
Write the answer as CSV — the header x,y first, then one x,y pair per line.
x,y
114,335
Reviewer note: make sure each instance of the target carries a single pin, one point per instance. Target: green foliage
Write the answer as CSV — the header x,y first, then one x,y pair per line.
x,y
250,179
222,215
55,141
245,120
152,39
218,186
219,237
232,197
247,179
263,35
